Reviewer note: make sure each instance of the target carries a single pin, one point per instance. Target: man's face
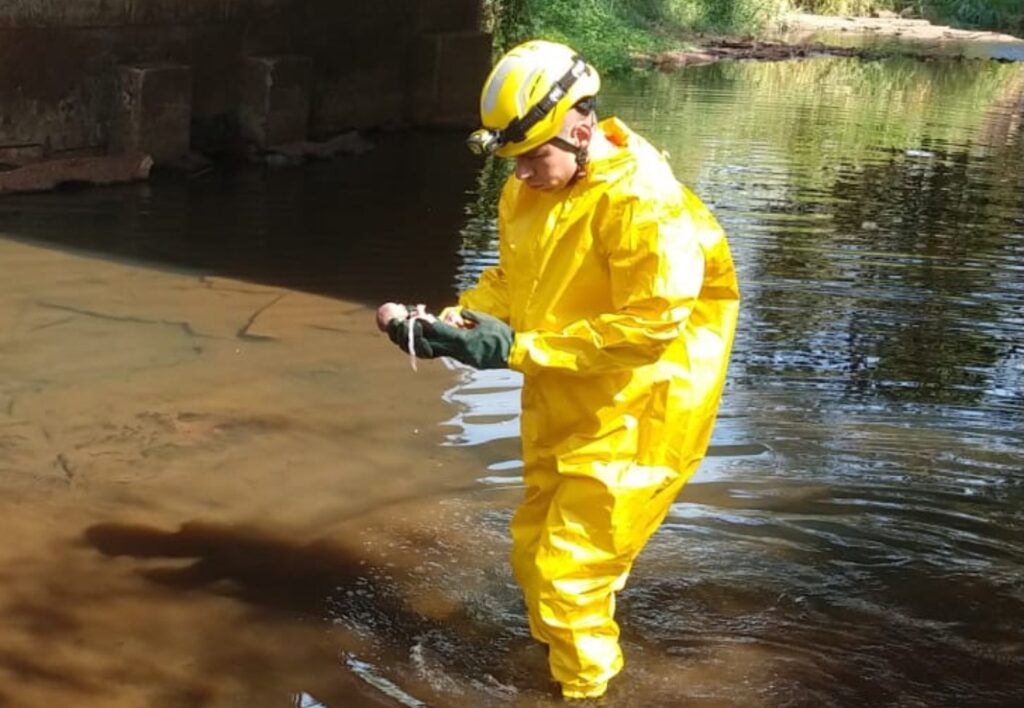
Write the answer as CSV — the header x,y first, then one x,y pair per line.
x,y
547,168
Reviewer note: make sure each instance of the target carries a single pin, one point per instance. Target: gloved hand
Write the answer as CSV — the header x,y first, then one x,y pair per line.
x,y
398,332
484,345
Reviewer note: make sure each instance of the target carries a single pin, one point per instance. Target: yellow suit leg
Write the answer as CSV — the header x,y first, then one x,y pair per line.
x,y
575,538
541,479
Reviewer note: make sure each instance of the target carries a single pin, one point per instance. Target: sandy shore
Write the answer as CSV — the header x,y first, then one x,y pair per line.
x,y
803,35
905,28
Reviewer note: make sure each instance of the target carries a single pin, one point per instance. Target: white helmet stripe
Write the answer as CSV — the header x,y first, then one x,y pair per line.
x,y
497,81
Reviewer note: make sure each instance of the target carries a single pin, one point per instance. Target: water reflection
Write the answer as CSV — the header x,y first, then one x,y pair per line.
x,y
949,225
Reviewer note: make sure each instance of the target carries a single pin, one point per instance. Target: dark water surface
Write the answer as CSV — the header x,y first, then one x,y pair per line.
x,y
856,536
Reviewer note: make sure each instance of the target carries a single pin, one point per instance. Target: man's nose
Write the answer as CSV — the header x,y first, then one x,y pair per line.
x,y
523,170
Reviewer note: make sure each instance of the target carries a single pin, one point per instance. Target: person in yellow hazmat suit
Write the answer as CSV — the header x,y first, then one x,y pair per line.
x,y
616,297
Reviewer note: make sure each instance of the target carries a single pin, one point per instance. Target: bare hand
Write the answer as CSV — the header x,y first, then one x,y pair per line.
x,y
390,311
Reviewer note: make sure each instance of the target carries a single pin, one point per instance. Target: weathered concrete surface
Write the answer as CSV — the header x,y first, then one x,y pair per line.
x,y
16,155
51,93
153,110
385,63
275,99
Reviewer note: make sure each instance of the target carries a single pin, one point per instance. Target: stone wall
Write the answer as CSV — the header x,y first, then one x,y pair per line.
x,y
379,63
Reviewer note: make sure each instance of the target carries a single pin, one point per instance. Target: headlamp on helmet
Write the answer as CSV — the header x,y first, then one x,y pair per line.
x,y
483,141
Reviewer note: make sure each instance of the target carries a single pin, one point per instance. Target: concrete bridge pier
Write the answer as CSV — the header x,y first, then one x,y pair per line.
x,y
152,111
275,100
84,79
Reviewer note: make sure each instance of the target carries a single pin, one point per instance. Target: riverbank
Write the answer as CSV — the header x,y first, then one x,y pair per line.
x,y
802,35
805,24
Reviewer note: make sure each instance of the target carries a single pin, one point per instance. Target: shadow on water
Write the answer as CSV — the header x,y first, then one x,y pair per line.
x,y
382,225
257,568
325,582
262,569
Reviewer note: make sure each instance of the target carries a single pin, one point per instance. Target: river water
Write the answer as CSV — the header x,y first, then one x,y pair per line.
x,y
221,487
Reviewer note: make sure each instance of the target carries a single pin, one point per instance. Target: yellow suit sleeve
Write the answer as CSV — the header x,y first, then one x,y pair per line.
x,y
656,269
489,295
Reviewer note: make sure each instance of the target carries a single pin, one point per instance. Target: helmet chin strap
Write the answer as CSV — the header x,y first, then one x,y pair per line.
x,y
581,153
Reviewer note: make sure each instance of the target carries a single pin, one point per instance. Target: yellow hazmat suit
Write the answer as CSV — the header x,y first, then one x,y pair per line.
x,y
623,297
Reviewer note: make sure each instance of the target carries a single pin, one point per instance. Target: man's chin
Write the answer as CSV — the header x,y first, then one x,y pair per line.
x,y
544,186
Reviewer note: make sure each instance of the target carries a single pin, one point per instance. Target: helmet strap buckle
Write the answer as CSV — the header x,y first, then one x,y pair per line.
x,y
582,153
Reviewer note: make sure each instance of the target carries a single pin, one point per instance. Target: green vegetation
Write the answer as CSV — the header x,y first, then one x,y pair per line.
x,y
605,31
609,31
989,14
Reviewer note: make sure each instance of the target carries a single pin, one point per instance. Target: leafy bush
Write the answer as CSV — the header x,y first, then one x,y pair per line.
x,y
604,31
991,14
608,31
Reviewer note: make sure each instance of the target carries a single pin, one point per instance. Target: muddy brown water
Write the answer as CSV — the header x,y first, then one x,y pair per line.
x,y
221,487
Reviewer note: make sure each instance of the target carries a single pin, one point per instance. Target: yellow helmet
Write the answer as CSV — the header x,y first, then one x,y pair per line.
x,y
526,96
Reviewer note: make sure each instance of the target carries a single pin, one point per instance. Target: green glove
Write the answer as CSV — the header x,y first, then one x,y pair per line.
x,y
484,346
398,332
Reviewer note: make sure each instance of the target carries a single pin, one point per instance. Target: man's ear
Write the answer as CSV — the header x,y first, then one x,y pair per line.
x,y
583,132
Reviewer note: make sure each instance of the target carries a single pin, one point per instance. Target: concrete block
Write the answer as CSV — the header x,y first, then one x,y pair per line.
x,y
275,99
49,93
372,95
153,111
